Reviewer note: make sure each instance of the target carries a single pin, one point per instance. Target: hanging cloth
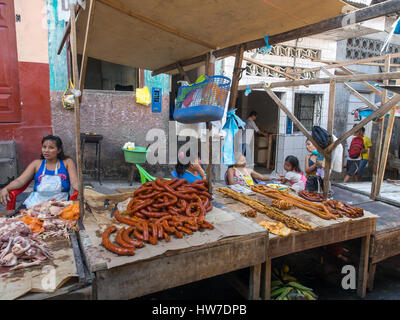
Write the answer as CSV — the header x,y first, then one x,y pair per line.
x,y
232,124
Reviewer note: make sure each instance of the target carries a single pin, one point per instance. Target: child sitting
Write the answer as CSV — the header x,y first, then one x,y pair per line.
x,y
294,176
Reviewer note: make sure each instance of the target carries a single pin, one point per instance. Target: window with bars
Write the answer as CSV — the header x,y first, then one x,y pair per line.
x,y
307,109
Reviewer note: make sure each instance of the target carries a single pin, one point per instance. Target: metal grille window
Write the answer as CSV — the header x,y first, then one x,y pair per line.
x,y
307,109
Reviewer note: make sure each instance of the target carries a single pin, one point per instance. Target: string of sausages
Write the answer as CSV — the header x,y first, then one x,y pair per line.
x,y
159,209
312,196
316,208
340,209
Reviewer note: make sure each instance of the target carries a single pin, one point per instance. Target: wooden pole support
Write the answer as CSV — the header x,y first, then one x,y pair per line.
x,y
77,109
331,118
209,70
85,46
375,186
235,77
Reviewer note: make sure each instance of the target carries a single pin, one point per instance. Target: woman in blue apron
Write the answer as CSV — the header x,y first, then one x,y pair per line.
x,y
54,175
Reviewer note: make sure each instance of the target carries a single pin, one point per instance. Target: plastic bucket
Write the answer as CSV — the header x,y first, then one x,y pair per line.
x,y
138,155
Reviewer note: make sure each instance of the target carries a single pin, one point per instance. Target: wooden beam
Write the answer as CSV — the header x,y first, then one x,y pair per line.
x,y
294,119
357,16
68,29
269,67
359,96
380,112
331,119
365,83
209,70
77,109
353,62
156,24
378,148
235,77
85,46
340,62
349,78
386,144
183,73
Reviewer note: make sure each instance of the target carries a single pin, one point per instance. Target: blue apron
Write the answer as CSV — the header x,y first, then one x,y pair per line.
x,y
49,187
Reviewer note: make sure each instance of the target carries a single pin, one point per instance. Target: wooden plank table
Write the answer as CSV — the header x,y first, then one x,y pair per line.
x,y
326,232
71,275
175,267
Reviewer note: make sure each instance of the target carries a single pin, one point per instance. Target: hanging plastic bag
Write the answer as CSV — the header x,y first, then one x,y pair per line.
x,y
68,97
232,124
143,96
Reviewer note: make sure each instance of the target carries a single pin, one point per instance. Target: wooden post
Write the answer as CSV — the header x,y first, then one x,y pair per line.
x,y
209,70
331,118
85,45
183,73
235,77
375,186
77,110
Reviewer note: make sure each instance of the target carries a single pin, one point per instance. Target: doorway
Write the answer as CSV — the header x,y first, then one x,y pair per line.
x,y
267,121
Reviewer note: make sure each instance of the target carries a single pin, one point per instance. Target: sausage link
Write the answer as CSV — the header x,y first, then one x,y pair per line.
x,y
178,183
166,237
160,230
126,220
186,230
137,235
145,231
178,234
126,237
112,247
121,241
166,227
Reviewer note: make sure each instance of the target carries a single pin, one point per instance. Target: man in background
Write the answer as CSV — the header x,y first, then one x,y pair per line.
x,y
251,124
365,155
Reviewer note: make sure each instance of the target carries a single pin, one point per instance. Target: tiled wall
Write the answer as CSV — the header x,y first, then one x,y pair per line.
x,y
293,145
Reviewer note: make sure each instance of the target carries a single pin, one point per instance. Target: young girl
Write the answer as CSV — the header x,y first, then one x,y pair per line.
x,y
294,176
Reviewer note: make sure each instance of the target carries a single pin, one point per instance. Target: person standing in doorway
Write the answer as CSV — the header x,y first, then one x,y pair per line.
x,y
251,124
365,155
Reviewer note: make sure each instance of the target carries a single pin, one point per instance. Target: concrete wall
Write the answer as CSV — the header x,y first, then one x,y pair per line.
x,y
33,73
118,118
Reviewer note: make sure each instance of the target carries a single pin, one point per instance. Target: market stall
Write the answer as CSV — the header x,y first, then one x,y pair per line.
x,y
313,232
39,264
232,243
165,39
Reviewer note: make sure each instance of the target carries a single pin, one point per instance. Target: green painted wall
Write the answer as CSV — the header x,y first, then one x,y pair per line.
x,y
57,63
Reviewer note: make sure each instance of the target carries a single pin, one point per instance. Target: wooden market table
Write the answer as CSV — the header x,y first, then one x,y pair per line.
x,y
71,277
120,279
326,232
385,242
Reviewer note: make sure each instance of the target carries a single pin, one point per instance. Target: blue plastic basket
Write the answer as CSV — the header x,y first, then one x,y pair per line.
x,y
201,102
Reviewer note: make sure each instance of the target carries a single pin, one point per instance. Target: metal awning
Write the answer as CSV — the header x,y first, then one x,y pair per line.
x,y
154,33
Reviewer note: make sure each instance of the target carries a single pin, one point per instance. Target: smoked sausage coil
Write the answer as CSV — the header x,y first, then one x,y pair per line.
x,y
121,241
126,237
145,231
126,220
112,247
138,235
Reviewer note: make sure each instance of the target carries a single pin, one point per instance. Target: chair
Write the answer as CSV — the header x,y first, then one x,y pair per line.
x,y
145,176
14,193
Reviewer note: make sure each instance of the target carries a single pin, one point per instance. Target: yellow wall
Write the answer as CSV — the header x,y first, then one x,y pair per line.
x,y
32,40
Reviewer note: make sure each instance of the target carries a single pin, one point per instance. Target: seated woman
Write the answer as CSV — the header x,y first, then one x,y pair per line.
x,y
191,171
239,174
54,175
